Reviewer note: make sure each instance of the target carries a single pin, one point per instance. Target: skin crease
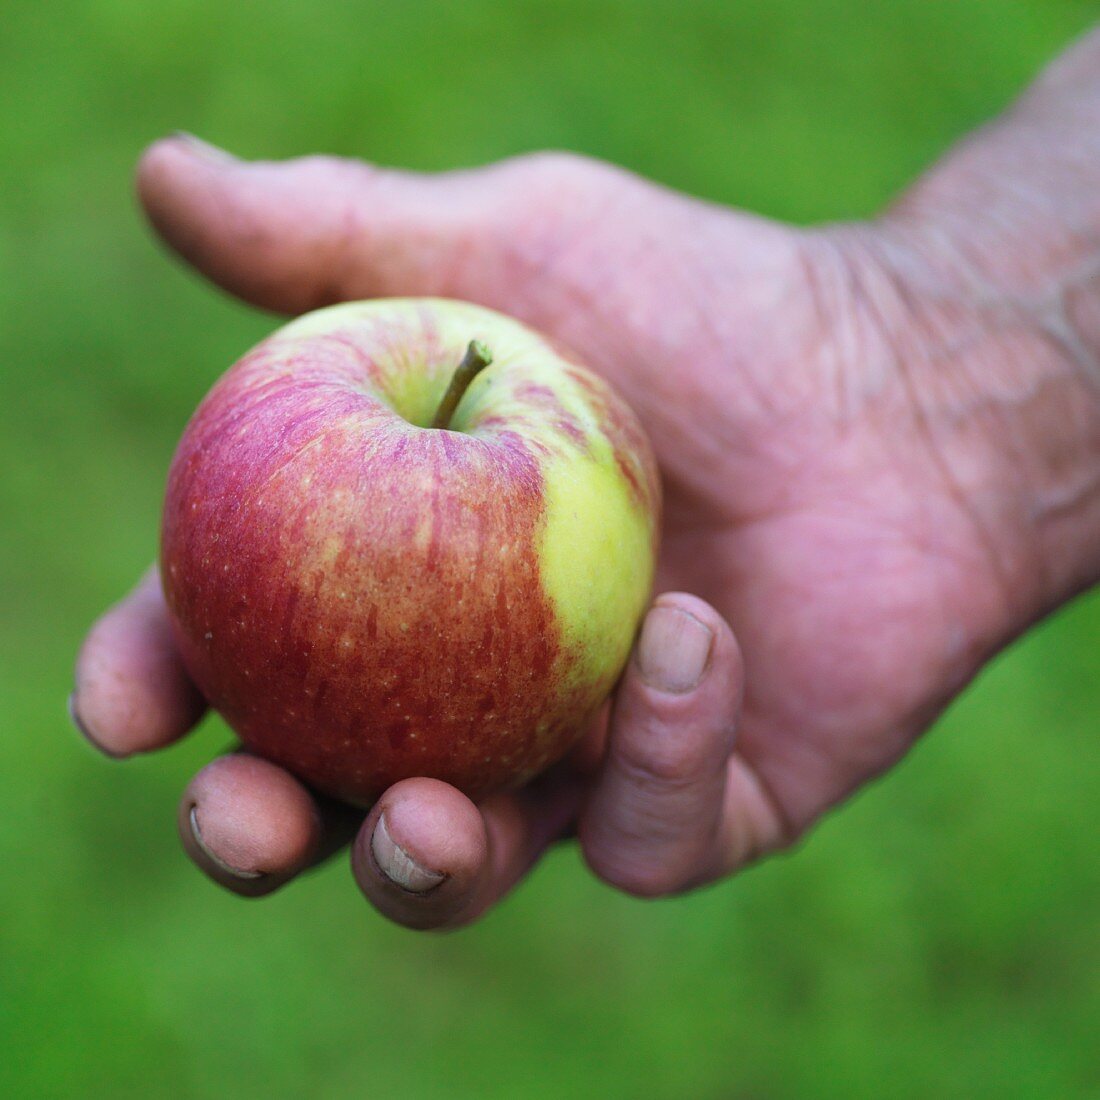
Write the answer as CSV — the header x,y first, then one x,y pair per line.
x,y
879,445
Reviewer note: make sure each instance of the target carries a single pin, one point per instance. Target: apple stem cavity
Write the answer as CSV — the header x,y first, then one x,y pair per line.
x,y
476,359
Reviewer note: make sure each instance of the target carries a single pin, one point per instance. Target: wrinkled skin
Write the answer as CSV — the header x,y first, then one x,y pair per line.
x,y
879,446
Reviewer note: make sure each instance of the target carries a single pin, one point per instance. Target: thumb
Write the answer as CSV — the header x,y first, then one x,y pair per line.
x,y
295,235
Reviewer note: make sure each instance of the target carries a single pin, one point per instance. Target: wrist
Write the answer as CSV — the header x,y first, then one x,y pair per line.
x,y
1015,206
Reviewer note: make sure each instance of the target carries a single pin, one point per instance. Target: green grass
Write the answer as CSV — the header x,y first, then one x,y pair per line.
x,y
936,938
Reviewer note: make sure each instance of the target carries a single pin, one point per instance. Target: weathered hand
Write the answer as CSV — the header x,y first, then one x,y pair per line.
x,y
850,424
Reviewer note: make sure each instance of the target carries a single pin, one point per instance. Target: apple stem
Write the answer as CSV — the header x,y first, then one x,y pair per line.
x,y
476,359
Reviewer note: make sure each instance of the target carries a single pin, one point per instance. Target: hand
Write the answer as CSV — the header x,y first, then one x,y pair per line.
x,y
849,506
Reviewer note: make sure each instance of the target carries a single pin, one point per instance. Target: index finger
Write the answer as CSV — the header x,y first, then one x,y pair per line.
x,y
131,691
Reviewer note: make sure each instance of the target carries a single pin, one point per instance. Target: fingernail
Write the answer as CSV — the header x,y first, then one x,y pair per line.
x,y
398,866
228,868
204,149
86,733
673,650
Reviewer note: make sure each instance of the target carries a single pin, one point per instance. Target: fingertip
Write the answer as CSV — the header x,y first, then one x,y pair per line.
x,y
167,159
685,651
250,825
691,605
266,231
157,172
683,647
82,728
196,147
132,693
393,861
178,182
422,854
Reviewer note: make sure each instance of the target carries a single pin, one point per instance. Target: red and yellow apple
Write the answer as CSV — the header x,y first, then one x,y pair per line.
x,y
365,596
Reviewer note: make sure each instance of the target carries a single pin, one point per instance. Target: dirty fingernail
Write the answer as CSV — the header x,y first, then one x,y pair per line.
x,y
397,865
228,868
673,650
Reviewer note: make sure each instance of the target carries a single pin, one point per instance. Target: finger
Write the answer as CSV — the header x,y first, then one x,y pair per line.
x,y
428,858
131,692
656,821
298,234
252,827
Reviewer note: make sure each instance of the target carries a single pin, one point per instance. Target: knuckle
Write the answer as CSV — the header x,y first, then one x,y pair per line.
x,y
553,212
671,759
329,164
557,166
555,187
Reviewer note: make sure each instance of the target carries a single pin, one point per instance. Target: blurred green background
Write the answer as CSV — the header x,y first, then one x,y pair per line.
x,y
936,938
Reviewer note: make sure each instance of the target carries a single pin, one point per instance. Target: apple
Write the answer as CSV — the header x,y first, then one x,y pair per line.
x,y
386,556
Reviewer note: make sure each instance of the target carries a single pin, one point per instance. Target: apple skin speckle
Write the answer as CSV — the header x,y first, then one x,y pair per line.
x,y
398,623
